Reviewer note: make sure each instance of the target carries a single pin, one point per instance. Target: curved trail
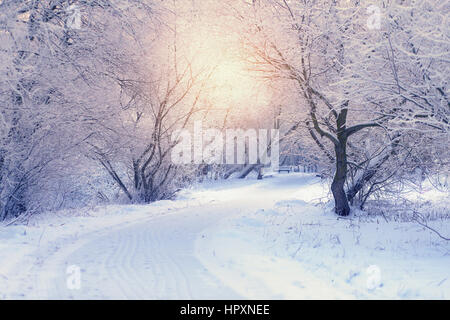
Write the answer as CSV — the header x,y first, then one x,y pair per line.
x,y
151,255
152,259
237,239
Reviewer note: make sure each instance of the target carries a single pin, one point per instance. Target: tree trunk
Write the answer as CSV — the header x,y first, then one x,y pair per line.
x,y
342,207
359,185
246,171
260,173
230,172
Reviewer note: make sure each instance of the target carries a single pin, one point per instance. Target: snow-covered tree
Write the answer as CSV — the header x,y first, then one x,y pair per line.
x,y
55,58
344,61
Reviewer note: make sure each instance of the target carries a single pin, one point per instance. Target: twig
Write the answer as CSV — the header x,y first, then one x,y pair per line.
x,y
17,219
384,216
42,234
430,228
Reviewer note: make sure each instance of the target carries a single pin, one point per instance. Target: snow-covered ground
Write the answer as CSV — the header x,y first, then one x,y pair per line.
x,y
269,239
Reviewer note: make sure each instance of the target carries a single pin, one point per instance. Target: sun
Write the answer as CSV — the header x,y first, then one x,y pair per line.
x,y
217,51
232,83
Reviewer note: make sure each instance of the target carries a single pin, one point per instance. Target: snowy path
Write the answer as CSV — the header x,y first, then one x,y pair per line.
x,y
238,239
151,259
147,258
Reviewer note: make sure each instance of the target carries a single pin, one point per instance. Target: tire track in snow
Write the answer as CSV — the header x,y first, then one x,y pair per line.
x,y
152,259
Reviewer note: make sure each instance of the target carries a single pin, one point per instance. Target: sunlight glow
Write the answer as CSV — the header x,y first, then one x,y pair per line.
x,y
230,84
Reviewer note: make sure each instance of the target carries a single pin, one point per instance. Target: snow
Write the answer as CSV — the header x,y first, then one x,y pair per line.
x,y
270,239
297,249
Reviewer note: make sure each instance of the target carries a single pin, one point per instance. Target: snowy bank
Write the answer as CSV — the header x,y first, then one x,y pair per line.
x,y
298,249
270,239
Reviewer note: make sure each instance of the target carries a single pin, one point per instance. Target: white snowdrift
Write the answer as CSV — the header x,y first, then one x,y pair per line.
x,y
270,239
297,249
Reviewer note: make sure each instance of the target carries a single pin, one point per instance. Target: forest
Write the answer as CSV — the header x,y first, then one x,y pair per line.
x,y
92,93
232,149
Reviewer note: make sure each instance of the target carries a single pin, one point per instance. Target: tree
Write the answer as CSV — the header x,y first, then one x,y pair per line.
x,y
49,89
358,80
317,51
157,94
